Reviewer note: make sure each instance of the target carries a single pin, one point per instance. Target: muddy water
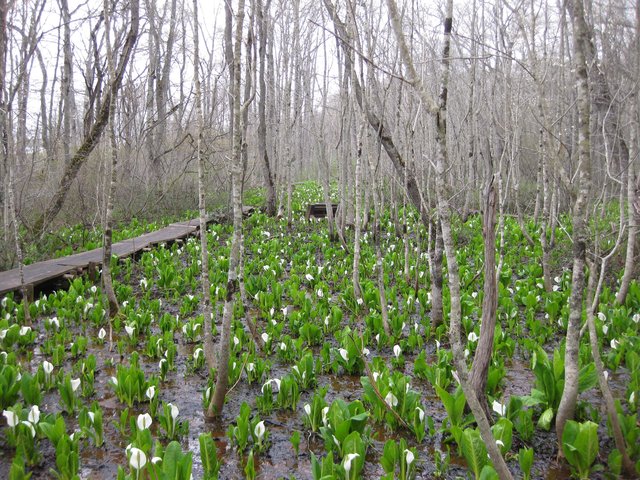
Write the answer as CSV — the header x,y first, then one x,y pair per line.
x,y
279,460
184,389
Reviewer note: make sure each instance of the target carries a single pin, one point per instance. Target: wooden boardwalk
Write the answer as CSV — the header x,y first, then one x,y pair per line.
x,y
41,272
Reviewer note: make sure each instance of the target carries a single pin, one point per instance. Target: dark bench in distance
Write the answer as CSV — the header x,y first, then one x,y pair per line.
x,y
319,210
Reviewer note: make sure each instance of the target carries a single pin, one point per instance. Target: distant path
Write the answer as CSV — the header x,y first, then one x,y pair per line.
x,y
41,272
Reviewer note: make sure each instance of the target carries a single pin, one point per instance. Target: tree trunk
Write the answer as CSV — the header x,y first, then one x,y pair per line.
x,y
567,406
222,381
263,28
154,52
627,464
357,290
163,75
20,143
546,200
67,72
435,267
107,281
633,189
523,227
324,165
377,233
18,240
208,346
633,218
4,148
44,116
484,350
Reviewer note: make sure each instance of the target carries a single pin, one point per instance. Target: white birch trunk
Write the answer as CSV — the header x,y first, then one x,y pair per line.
x,y
205,282
567,406
111,180
216,404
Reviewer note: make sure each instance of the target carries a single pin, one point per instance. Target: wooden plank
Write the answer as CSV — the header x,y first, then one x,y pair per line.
x,y
33,275
189,223
47,270
319,210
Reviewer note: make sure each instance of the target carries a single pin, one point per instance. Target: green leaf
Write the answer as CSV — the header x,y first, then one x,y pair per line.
x,y
208,454
17,471
250,469
503,431
171,460
316,467
614,461
322,470
525,460
587,442
389,456
558,364
580,445
453,404
545,419
473,450
30,389
358,422
536,398
588,377
54,431
488,473
354,444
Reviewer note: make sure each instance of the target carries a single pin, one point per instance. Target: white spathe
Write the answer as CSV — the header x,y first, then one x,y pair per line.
x,y
409,456
75,383
259,430
344,354
47,367
138,458
144,421
12,418
34,414
350,457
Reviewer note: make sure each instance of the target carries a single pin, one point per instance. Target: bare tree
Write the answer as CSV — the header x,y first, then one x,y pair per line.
x,y
291,117
438,111
209,353
4,147
377,124
154,52
323,159
593,296
357,290
93,136
111,179
19,250
263,31
222,381
8,93
484,350
164,73
66,83
158,108
8,155
632,197
377,233
567,406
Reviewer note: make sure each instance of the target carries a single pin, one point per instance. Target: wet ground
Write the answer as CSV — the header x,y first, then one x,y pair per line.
x,y
184,389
